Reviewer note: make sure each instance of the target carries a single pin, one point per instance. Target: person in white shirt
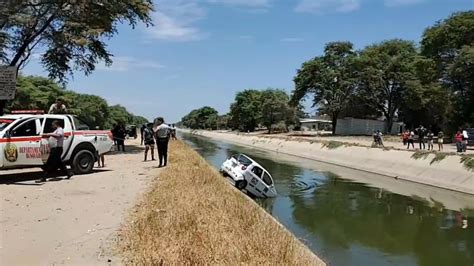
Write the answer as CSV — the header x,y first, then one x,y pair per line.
x,y
465,139
56,141
58,107
162,134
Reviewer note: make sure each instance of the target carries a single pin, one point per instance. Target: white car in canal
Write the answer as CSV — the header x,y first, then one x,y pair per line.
x,y
246,174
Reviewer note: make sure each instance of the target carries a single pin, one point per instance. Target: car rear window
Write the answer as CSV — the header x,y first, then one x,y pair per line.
x,y
4,122
244,160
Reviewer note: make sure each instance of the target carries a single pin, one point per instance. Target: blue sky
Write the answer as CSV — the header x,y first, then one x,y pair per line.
x,y
201,52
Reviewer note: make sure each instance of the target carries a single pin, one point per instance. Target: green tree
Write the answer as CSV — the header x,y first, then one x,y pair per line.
x,y
70,34
276,109
202,118
450,44
331,78
246,110
386,75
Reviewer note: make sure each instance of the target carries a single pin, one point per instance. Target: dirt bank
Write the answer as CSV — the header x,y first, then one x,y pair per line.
x,y
447,173
69,221
193,216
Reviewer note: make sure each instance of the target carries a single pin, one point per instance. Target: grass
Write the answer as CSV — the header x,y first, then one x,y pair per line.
x,y
420,154
468,162
439,156
333,144
192,216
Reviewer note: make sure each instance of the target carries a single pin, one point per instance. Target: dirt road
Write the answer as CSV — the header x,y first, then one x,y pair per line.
x,y
69,221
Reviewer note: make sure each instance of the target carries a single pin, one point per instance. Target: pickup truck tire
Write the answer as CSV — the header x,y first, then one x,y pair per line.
x,y
83,162
241,184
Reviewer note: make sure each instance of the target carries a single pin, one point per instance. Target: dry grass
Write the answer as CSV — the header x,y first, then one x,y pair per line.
x,y
192,216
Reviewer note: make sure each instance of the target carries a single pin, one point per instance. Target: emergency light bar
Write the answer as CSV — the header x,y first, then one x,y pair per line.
x,y
30,112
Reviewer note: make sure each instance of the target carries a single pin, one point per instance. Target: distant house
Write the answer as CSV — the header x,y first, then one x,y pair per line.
x,y
316,124
348,125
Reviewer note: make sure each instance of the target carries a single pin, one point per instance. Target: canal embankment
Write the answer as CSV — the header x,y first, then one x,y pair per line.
x,y
438,170
193,216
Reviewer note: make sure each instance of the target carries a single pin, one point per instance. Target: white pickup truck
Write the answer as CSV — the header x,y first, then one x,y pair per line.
x,y
23,144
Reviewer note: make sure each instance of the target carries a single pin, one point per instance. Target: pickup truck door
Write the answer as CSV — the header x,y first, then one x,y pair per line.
x,y
22,144
48,128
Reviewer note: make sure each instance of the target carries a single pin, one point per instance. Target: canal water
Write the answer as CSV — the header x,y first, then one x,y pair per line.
x,y
349,218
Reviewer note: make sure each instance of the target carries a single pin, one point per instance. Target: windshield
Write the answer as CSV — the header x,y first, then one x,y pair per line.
x,y
5,122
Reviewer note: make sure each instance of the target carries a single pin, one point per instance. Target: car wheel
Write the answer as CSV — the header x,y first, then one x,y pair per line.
x,y
83,162
241,184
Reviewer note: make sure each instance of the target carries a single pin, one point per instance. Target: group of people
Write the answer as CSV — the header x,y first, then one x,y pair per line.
x,y
378,138
461,138
157,133
426,138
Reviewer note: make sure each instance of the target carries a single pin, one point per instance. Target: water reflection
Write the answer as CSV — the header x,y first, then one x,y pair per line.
x,y
352,223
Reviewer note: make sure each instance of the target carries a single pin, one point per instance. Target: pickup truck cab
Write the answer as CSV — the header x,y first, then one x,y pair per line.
x,y
23,144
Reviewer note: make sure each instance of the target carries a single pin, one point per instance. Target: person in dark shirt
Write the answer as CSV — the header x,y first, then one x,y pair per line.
x,y
142,130
421,131
149,139
120,134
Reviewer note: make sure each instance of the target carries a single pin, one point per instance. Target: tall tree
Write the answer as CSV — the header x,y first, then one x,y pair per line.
x,y
450,44
331,78
69,34
246,111
202,118
276,108
386,75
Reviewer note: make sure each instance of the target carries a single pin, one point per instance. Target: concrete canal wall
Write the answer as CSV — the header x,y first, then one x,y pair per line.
x,y
448,173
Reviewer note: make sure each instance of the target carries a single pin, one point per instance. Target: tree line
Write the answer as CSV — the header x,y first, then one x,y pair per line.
x,y
251,109
38,93
431,84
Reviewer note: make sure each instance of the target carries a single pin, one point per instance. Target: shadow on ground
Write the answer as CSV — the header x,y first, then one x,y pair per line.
x,y
25,178
132,149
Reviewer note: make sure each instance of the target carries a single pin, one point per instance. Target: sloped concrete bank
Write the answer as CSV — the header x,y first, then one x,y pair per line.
x,y
448,173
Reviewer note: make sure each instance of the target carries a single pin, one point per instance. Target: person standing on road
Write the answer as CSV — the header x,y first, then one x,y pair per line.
x,y
120,134
58,107
142,130
56,141
465,139
458,140
429,138
421,131
162,134
411,140
404,137
149,141
440,140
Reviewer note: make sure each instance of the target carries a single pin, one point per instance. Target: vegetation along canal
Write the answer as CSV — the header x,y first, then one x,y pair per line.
x,y
349,217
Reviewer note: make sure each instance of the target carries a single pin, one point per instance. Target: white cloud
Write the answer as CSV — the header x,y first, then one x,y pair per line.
x,y
175,19
393,3
291,39
243,3
127,63
324,6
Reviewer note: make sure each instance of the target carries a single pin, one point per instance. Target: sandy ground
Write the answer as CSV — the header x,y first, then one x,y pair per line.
x,y
70,221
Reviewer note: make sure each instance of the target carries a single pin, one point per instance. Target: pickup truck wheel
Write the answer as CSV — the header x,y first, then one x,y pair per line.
x,y
83,162
241,184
